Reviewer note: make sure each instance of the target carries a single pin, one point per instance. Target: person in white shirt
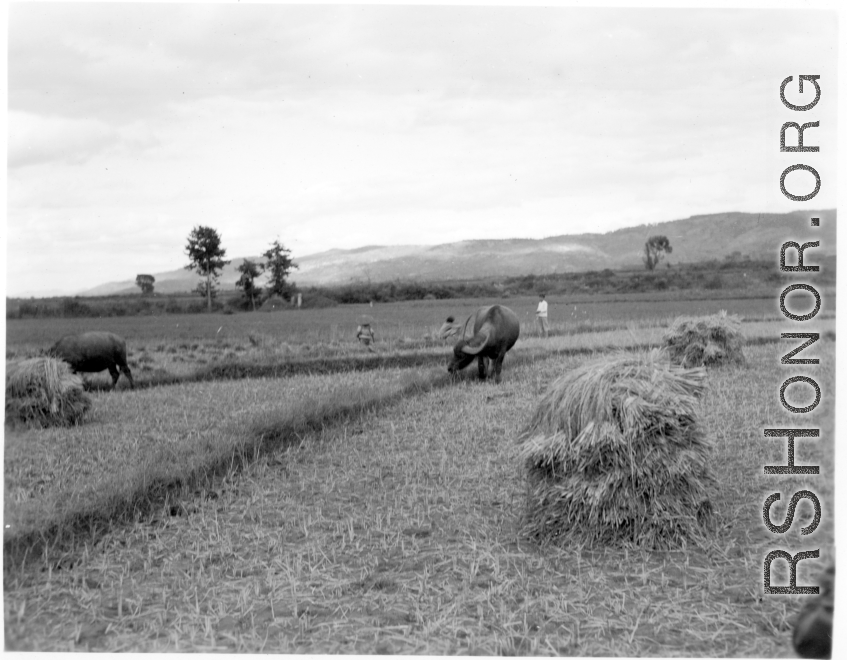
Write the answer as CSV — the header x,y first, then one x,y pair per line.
x,y
541,315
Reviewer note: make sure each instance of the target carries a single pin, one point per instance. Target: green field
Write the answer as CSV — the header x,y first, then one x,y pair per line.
x,y
379,511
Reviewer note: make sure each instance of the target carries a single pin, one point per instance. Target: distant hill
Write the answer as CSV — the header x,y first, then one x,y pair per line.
x,y
694,239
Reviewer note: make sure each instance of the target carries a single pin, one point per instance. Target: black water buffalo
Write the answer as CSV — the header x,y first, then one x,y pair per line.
x,y
812,636
94,351
496,329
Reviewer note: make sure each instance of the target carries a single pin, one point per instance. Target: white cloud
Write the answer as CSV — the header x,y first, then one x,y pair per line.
x,y
38,139
338,126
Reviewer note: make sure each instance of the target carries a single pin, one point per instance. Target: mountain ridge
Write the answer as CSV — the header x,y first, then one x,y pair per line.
x,y
696,238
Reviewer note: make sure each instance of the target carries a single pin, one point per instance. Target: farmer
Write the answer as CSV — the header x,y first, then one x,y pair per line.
x,y
541,315
365,334
449,329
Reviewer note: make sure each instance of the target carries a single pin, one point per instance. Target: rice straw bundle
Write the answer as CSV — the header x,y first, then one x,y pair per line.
x,y
614,455
706,340
43,391
274,303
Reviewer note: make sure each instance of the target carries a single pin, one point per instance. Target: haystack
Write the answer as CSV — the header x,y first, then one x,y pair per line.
x,y
42,391
705,341
275,303
614,455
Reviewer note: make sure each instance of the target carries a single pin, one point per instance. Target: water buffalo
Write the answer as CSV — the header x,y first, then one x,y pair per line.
x,y
496,329
94,351
812,637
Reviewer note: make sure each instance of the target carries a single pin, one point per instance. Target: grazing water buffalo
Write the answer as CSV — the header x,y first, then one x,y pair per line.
x,y
92,352
496,329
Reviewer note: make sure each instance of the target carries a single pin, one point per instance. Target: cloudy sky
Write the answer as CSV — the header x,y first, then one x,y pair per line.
x,y
344,126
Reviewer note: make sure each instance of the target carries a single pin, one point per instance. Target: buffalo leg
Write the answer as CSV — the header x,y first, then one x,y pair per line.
x,y
126,372
113,372
481,367
497,367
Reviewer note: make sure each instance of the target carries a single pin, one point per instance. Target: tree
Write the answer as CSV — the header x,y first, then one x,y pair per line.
x,y
145,283
279,264
207,258
653,249
249,270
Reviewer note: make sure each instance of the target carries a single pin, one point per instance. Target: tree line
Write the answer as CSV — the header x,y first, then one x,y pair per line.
x,y
206,256
735,272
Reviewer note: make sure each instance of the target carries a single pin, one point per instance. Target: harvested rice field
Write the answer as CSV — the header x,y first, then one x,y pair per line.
x,y
130,443
401,530
393,321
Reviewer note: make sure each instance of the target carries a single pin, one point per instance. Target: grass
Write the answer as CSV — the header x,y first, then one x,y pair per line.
x,y
396,532
163,361
133,447
394,321
137,444
326,527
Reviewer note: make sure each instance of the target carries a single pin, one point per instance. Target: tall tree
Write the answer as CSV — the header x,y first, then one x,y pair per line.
x,y
279,264
145,283
207,258
249,270
654,248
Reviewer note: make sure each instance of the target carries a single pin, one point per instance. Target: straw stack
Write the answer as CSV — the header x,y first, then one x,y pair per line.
x,y
614,455
705,341
42,391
